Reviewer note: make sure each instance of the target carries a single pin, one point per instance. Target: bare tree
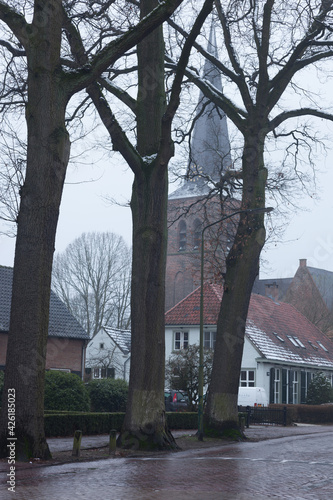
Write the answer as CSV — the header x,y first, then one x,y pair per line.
x,y
92,276
33,31
266,47
182,372
144,424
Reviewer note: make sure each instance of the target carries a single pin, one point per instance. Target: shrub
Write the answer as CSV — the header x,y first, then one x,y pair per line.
x,y
65,391
108,394
320,390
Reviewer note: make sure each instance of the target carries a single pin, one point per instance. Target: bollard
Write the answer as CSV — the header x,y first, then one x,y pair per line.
x,y
242,423
112,442
77,444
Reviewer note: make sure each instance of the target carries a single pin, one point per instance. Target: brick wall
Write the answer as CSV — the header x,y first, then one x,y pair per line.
x,y
184,261
61,353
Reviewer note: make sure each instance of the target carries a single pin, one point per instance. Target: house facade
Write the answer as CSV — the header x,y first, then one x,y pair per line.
x,y
109,354
310,291
282,349
67,339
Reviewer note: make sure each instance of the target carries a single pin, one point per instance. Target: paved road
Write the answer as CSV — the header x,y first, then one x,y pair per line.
x,y
293,467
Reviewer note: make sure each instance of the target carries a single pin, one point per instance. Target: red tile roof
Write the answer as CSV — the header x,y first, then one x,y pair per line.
x,y
187,311
276,329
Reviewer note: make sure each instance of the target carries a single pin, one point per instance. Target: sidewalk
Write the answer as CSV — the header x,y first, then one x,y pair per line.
x,y
255,432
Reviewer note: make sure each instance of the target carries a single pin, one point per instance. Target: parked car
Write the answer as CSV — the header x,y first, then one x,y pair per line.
x,y
175,400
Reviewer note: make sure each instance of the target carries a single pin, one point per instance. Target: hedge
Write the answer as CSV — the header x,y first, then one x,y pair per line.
x,y
66,423
308,414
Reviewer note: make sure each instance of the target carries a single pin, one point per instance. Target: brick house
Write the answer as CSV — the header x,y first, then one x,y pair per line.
x,y
282,349
67,339
310,291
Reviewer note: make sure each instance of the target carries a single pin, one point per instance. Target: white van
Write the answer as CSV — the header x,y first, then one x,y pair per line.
x,y
252,396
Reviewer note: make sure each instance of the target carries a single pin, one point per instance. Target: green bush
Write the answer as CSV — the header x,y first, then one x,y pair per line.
x,y
319,391
65,391
109,395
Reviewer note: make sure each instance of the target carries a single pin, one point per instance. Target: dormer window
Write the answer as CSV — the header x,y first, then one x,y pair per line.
x,y
293,341
182,236
322,346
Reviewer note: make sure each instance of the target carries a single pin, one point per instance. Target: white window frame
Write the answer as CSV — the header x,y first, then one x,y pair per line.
x,y
247,381
180,340
209,339
295,383
277,385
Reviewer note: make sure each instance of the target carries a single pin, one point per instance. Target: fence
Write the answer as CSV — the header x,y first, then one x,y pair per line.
x,y
268,416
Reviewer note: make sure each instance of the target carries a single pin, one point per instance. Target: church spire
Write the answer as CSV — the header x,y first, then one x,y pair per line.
x,y
210,147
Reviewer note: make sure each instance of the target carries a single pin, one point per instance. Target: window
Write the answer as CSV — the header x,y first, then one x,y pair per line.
x,y
322,346
247,378
181,340
197,235
295,387
103,372
209,340
182,236
277,385
299,342
293,341
101,345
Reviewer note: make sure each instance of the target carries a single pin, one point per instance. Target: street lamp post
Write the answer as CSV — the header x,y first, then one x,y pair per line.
x,y
201,339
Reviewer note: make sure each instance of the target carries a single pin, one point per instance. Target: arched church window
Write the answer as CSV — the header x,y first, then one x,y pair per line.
x,y
197,234
182,236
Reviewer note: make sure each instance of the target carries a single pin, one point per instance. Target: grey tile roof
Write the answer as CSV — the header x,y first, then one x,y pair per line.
x,y
282,285
120,337
61,323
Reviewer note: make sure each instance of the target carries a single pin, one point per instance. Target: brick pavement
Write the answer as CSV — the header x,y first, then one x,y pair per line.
x,y
293,469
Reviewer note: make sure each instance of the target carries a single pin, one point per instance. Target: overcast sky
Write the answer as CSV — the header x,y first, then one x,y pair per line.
x,y
85,208
309,233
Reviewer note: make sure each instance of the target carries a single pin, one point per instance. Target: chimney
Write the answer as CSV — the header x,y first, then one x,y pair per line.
x,y
272,291
302,262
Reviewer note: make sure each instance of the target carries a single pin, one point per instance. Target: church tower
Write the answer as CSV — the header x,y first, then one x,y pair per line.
x,y
189,207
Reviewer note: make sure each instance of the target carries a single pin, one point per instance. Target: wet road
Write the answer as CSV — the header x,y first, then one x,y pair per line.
x,y
299,467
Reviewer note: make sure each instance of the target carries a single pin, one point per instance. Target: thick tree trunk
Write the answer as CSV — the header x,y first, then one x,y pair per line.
x,y
144,426
242,267
47,159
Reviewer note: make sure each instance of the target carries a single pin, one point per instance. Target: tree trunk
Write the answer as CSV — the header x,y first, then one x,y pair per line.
x,y
47,159
144,426
242,267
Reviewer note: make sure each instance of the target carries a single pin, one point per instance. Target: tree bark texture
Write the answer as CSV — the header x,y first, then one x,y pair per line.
x,y
144,426
242,267
47,158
